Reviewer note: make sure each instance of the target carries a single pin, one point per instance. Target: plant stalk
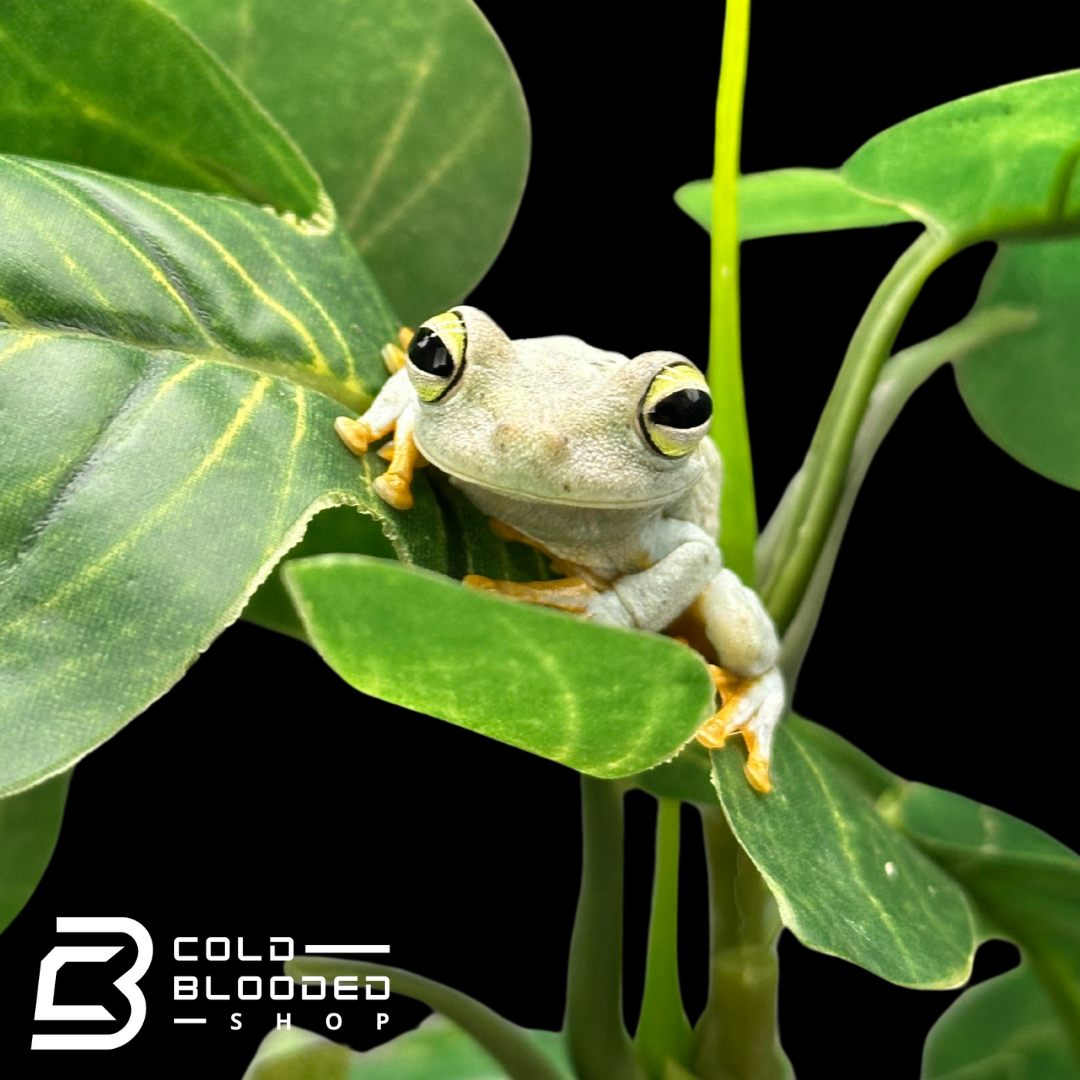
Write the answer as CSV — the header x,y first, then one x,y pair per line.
x,y
738,511
736,1037
596,1037
664,1032
820,490
899,379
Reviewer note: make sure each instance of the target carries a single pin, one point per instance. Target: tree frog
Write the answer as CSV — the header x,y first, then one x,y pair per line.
x,y
601,462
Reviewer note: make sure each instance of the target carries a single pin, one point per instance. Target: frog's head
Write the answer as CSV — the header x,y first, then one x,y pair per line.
x,y
554,419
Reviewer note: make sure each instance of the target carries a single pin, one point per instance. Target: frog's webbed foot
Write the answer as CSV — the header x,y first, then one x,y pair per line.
x,y
751,707
394,354
357,435
568,594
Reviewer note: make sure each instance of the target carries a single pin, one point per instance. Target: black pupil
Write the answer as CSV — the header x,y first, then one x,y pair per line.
x,y
687,408
428,353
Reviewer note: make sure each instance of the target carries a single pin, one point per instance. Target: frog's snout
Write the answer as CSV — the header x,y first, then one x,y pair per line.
x,y
548,444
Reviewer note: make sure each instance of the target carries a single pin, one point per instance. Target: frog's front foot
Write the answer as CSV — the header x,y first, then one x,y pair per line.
x,y
357,435
751,707
568,594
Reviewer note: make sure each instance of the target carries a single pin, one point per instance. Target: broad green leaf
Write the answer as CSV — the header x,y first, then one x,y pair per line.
x,y
1022,390
607,702
846,882
29,829
437,1048
339,529
412,114
1026,885
170,367
789,201
1002,1029
119,86
993,164
470,548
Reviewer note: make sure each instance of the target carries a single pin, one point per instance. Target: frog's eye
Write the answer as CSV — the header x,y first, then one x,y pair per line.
x,y
676,410
437,356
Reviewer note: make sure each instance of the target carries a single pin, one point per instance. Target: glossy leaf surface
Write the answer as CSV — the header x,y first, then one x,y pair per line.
x,y
1022,390
170,365
788,201
413,116
608,702
29,829
846,882
1002,1029
1025,883
117,85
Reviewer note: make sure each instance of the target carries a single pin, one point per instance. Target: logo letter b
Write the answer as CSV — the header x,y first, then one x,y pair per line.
x,y
47,1009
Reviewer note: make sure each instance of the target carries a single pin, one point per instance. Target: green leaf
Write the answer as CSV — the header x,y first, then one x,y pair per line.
x,y
437,1048
1002,1029
789,201
1025,883
296,1054
412,114
29,829
117,85
1022,390
846,883
607,702
170,368
993,164
339,529
518,1052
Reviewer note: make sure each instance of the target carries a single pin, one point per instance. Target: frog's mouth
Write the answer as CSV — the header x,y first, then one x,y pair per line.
x,y
668,496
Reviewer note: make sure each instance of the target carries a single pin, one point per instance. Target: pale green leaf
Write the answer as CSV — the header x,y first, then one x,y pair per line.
x,y
437,1048
117,85
846,882
993,164
410,111
29,828
789,201
607,702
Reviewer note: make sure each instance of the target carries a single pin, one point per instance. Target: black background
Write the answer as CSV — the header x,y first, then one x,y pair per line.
x,y
263,797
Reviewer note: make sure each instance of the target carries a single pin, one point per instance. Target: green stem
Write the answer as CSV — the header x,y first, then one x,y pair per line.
x,y
595,1034
900,378
738,512
819,493
663,1031
511,1046
736,1037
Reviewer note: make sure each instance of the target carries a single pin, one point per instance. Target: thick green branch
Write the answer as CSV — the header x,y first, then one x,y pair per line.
x,y
595,1034
738,512
663,1031
817,497
736,1037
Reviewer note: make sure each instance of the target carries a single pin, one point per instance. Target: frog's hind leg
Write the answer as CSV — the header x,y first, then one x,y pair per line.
x,y
568,594
571,592
751,708
750,686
